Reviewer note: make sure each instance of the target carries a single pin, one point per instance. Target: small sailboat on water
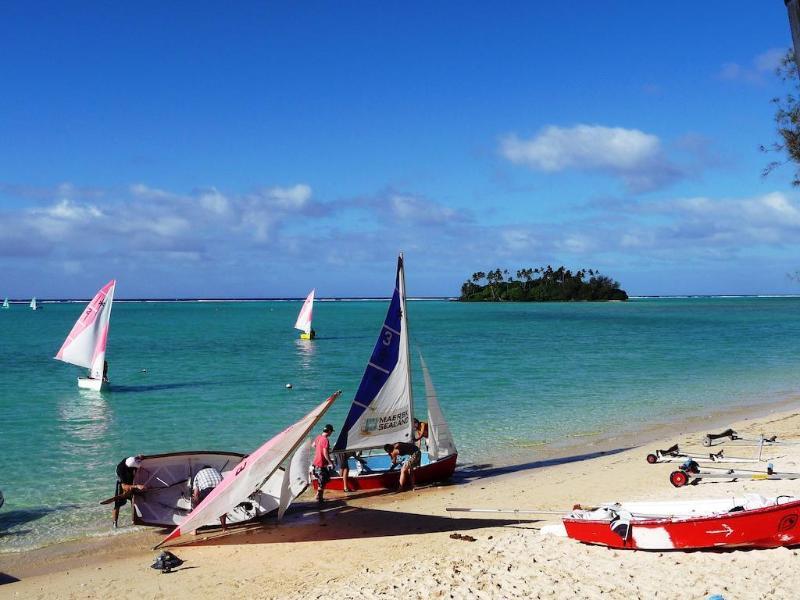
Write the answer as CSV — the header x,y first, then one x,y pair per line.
x,y
303,322
34,306
383,411
85,345
6,305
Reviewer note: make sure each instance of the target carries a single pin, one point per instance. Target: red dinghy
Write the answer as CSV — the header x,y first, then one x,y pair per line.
x,y
748,522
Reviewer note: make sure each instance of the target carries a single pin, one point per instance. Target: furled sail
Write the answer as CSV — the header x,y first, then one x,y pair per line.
x,y
303,322
382,409
251,473
440,440
85,345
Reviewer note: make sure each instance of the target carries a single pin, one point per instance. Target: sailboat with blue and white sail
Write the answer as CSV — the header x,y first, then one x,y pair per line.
x,y
382,411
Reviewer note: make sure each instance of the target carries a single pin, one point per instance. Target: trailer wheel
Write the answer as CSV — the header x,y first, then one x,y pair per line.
x,y
706,441
678,478
652,458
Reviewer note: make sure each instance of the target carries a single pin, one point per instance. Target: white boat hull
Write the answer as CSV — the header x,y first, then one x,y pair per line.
x,y
96,385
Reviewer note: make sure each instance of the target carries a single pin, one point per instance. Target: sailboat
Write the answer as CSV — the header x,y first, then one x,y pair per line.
x,y
382,411
168,479
5,304
34,306
85,345
252,473
303,322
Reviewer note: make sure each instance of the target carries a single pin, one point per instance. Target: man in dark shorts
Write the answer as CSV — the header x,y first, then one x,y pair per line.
x,y
395,451
322,462
124,490
204,482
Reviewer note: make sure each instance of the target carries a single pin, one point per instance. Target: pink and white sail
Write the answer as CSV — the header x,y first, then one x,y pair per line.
x,y
303,322
250,474
85,345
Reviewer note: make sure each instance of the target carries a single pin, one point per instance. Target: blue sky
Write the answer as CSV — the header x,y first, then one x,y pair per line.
x,y
190,149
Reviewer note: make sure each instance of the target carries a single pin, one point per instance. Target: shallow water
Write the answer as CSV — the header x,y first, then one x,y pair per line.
x,y
511,378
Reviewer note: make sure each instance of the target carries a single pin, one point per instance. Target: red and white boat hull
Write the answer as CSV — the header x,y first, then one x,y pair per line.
x,y
770,526
440,470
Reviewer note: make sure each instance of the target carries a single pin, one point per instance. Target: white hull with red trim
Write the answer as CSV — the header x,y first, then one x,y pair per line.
x,y
95,385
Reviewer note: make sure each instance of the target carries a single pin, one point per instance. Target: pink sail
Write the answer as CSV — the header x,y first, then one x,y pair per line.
x,y
303,322
250,474
85,345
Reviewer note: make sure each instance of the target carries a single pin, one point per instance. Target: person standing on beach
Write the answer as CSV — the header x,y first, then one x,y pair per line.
x,y
322,460
206,480
395,451
126,472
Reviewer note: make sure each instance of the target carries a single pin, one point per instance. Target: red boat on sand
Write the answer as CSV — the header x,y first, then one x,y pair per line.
x,y
751,521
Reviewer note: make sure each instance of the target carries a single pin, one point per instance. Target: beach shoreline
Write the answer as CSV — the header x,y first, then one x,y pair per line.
x,y
561,477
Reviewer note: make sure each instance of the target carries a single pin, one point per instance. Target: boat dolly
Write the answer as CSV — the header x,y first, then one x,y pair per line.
x,y
675,454
690,473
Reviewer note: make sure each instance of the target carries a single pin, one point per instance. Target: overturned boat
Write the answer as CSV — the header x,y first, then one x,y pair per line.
x,y
249,481
168,480
750,521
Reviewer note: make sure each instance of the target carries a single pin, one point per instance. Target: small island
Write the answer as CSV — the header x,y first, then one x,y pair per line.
x,y
542,284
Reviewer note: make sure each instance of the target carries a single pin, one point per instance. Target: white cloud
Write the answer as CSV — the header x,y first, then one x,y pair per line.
x,y
756,71
631,154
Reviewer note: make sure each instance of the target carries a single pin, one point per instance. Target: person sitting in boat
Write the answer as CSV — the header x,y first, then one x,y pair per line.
x,y
206,480
125,488
322,462
395,451
420,432
105,371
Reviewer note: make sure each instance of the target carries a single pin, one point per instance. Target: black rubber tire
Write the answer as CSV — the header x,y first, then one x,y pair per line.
x,y
678,478
652,459
706,441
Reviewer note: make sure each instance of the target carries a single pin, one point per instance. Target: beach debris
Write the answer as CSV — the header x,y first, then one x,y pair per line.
x,y
166,561
288,386
464,538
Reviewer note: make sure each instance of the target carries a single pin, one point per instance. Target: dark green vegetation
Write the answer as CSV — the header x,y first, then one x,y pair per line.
x,y
540,285
787,120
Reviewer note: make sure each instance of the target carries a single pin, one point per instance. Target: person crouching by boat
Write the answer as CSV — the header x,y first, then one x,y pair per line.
x,y
322,462
395,451
124,490
206,480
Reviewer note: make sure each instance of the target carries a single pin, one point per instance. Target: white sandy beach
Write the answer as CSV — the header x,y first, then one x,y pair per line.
x,y
399,545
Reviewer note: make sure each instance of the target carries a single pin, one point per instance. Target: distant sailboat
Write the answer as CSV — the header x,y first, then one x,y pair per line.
x,y
85,345
5,303
303,322
34,306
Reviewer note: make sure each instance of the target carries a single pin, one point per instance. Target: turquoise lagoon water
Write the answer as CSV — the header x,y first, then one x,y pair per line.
x,y
508,376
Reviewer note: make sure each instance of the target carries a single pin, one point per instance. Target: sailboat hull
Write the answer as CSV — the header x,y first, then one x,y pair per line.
x,y
307,336
433,472
96,385
168,478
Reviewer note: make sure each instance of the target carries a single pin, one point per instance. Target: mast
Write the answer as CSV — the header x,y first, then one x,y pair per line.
x,y
404,323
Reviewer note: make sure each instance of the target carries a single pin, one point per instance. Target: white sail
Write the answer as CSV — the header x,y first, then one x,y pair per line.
x,y
382,409
5,303
296,476
33,303
303,322
251,473
440,440
85,345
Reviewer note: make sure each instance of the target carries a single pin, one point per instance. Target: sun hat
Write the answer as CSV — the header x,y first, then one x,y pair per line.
x,y
133,462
